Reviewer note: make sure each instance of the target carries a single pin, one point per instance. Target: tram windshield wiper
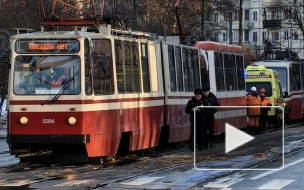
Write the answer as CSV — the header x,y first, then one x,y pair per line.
x,y
64,88
44,81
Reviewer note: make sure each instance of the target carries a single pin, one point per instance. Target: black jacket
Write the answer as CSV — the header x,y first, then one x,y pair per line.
x,y
201,114
212,101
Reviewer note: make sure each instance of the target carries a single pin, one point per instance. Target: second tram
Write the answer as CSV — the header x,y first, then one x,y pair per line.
x,y
225,70
292,80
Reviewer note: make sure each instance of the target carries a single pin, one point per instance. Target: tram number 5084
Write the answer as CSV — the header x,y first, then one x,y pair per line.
x,y
48,121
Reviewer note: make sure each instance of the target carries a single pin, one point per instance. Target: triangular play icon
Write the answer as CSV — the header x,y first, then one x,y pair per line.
x,y
235,138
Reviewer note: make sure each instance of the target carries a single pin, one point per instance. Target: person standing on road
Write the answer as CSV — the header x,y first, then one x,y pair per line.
x,y
212,101
253,113
264,111
201,117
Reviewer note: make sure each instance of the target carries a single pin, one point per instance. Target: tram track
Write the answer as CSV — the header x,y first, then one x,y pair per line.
x,y
22,171
273,158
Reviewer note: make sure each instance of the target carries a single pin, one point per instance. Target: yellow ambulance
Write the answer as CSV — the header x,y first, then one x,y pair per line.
x,y
261,77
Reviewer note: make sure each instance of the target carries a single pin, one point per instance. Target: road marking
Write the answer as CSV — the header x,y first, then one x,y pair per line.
x,y
142,180
273,171
276,184
223,183
20,183
74,182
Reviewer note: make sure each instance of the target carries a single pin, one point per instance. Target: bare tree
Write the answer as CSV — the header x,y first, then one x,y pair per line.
x,y
291,9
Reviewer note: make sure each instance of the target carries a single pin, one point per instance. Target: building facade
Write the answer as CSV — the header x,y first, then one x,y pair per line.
x,y
265,27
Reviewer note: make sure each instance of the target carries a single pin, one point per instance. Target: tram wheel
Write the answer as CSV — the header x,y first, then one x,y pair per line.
x,y
112,158
102,160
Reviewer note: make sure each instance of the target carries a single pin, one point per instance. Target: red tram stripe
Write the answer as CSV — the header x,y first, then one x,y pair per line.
x,y
38,102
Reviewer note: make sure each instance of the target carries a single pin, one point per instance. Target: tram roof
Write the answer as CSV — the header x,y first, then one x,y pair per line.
x,y
57,34
209,45
277,63
101,30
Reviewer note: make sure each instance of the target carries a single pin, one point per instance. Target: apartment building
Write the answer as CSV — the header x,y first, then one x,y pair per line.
x,y
262,22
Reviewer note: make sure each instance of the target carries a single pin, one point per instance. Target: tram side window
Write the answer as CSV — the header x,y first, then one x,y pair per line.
x,y
196,70
302,74
179,69
145,67
128,66
204,72
240,72
295,77
186,70
230,72
102,67
88,76
135,62
190,70
172,68
219,71
120,74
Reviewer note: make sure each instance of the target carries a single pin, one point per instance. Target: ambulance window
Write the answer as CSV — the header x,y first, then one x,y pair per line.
x,y
259,85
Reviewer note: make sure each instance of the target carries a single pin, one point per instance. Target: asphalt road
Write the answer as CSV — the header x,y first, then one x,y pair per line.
x,y
289,178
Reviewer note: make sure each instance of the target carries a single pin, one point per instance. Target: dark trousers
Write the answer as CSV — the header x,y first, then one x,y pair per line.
x,y
263,120
201,134
210,127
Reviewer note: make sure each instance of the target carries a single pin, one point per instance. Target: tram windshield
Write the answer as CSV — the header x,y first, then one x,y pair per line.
x,y
43,75
282,71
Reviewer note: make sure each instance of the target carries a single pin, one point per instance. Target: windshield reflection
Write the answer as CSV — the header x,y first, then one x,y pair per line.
x,y
45,75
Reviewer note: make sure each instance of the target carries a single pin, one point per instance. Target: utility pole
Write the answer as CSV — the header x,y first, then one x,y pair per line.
x,y
241,23
135,15
203,33
230,26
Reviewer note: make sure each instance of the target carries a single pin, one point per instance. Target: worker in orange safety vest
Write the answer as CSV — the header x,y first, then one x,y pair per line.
x,y
253,99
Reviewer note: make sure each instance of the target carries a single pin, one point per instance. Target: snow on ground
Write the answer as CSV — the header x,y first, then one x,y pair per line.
x,y
3,120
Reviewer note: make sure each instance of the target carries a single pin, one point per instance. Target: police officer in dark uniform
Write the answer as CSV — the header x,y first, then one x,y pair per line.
x,y
201,117
212,101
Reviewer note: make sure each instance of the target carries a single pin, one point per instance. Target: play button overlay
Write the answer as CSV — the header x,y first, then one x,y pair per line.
x,y
238,146
235,138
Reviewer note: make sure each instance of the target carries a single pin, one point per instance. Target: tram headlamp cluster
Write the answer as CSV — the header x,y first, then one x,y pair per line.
x,y
72,120
23,120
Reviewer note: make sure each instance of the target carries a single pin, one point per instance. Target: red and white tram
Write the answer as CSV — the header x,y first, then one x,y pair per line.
x,y
124,91
292,80
226,75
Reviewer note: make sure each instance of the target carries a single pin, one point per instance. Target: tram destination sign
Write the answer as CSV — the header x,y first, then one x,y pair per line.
x,y
47,46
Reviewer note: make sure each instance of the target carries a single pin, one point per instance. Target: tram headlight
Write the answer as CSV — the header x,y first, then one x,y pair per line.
x,y
72,120
23,120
